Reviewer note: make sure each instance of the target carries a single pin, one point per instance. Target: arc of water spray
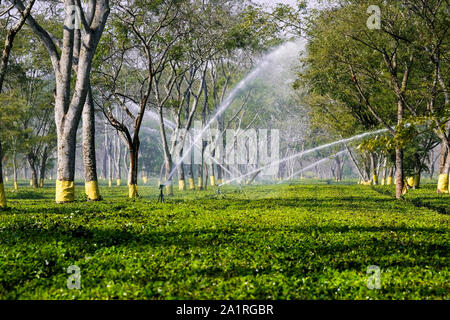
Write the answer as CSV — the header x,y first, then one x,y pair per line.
x,y
228,101
221,109
313,165
325,146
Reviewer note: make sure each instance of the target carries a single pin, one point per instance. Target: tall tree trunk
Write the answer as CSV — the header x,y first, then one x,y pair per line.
x,y
190,175
204,172
133,172
220,174
399,174
200,176
367,170
391,175
181,177
212,174
105,154
65,185
385,172
180,166
110,164
167,155
444,164
190,171
167,171
34,179
443,183
43,166
373,165
125,163
90,161
118,159
16,185
3,204
201,168
32,163
338,174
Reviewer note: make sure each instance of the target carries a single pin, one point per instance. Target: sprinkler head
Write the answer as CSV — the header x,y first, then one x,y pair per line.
x,y
161,193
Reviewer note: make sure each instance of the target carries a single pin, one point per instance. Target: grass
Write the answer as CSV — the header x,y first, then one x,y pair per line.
x,y
266,242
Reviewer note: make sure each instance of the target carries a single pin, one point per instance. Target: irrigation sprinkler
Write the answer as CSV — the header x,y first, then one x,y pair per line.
x,y
161,194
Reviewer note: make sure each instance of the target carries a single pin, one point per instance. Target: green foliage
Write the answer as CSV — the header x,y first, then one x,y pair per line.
x,y
381,144
288,242
357,81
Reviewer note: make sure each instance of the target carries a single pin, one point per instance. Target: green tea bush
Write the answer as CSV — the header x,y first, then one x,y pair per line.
x,y
264,242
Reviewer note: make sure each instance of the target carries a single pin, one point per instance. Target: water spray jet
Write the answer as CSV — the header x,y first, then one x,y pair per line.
x,y
312,165
325,146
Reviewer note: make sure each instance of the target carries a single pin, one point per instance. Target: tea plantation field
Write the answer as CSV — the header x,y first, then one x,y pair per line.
x,y
264,242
